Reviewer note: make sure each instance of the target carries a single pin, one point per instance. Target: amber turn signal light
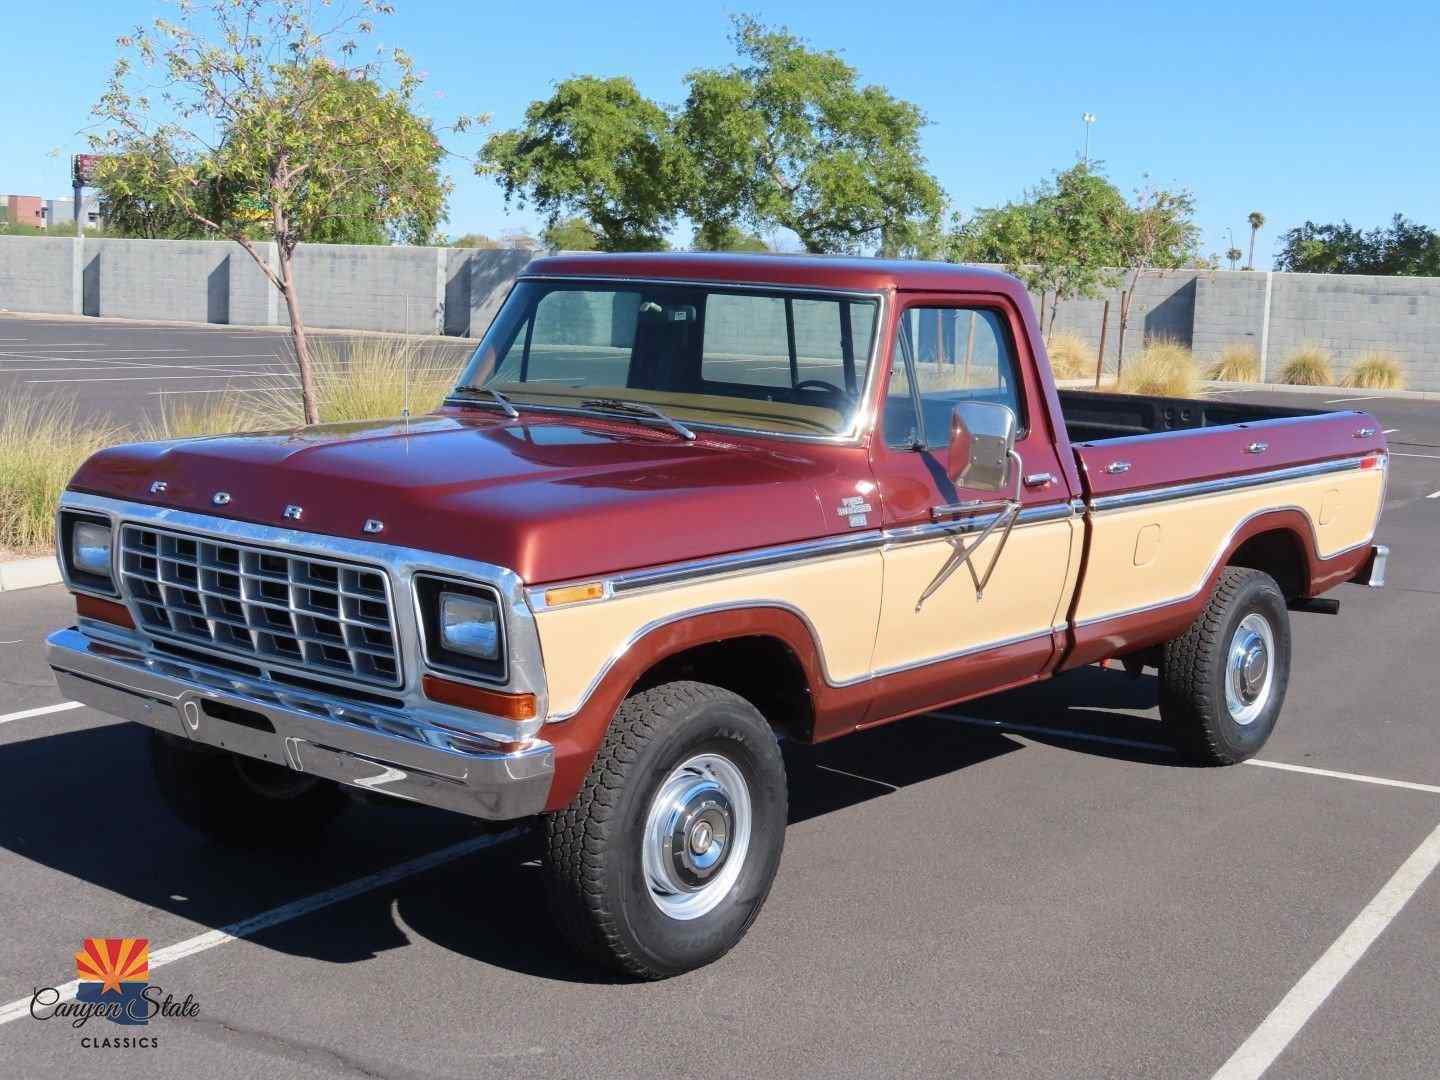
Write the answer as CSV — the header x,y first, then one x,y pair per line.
x,y
92,607
505,706
573,594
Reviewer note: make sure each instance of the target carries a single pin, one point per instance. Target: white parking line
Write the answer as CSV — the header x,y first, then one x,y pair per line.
x,y
1366,397
1268,1041
229,390
1428,457
1433,495
25,714
287,912
1383,781
153,378
1390,431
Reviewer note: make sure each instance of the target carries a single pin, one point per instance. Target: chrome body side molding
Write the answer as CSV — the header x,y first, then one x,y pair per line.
x,y
1220,484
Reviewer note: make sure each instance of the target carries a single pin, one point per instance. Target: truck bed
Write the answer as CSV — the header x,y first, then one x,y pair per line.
x,y
1092,417
1128,443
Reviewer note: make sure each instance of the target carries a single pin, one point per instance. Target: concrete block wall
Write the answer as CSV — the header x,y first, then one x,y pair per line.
x,y
182,280
369,287
1351,315
457,291
1229,310
1164,307
37,274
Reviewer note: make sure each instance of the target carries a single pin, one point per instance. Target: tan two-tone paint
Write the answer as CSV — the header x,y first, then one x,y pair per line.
x,y
860,606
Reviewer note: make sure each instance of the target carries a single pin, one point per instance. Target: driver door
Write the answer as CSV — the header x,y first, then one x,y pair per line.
x,y
962,639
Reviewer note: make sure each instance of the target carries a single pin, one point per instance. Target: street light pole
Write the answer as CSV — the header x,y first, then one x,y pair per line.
x,y
1087,119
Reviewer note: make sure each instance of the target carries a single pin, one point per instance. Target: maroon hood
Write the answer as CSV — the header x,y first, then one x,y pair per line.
x,y
548,499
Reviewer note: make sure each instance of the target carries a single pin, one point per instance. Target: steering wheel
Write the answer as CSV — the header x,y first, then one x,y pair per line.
x,y
824,387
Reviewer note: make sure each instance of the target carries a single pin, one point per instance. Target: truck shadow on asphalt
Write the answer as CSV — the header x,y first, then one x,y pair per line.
x,y
83,803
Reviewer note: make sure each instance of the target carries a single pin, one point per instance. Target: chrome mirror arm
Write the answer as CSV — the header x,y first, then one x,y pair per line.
x,y
1007,514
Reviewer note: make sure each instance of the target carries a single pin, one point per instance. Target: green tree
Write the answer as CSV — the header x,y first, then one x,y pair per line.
x,y
474,240
1159,235
1257,222
1066,237
1404,248
571,234
788,137
264,127
728,238
599,149
1233,256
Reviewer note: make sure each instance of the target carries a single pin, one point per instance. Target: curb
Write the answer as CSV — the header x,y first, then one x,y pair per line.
x,y
29,573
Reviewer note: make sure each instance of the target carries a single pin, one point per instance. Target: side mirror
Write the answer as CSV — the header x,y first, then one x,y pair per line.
x,y
982,440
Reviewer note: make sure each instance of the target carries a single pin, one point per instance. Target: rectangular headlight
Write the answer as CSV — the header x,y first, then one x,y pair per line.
x,y
463,627
84,543
470,625
90,545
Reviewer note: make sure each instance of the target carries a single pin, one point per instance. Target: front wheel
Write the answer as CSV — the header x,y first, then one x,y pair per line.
x,y
1223,681
664,859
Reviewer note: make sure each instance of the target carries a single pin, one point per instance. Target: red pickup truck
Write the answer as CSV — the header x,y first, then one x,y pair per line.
x,y
678,507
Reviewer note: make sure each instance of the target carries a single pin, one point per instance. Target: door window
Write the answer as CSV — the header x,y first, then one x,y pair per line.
x,y
944,355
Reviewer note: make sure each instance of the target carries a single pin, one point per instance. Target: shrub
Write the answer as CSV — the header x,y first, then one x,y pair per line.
x,y
1166,368
41,445
1308,366
1236,363
1375,371
1071,357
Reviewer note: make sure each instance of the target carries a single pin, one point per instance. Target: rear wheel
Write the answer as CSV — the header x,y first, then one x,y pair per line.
x,y
239,800
665,857
1222,682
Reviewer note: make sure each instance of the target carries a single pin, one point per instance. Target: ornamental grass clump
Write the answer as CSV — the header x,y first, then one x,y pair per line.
x,y
1375,371
1308,366
41,445
1236,363
1166,368
362,378
1071,357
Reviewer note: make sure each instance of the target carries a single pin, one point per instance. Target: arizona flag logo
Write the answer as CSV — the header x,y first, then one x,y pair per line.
x,y
114,966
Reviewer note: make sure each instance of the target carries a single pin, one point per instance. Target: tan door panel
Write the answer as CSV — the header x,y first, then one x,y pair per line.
x,y
1020,600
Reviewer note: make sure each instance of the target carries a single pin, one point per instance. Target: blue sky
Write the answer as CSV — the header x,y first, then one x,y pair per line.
x,y
1319,111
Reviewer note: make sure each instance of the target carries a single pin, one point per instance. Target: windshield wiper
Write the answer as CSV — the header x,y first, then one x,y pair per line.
x,y
640,409
500,399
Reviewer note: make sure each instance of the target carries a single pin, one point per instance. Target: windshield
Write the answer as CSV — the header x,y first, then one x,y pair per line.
x,y
787,362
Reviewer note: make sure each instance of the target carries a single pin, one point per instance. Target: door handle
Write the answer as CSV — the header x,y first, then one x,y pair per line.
x,y
1039,479
1257,448
1117,467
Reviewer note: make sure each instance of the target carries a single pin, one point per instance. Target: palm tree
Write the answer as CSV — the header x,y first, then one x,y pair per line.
x,y
1257,222
1234,255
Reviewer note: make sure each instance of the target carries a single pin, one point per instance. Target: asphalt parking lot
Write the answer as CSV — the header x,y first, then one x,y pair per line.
x,y
122,371
1032,885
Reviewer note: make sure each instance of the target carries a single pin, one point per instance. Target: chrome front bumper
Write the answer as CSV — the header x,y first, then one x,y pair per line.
x,y
373,747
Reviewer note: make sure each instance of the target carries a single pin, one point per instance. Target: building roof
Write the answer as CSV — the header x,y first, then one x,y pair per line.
x,y
833,272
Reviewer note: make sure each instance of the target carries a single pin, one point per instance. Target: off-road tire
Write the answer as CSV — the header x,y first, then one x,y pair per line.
x,y
1193,671
596,880
216,793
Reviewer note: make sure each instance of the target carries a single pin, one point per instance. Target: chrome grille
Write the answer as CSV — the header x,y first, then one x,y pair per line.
x,y
270,606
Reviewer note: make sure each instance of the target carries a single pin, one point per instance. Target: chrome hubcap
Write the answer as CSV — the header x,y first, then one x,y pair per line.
x,y
696,835
1248,668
